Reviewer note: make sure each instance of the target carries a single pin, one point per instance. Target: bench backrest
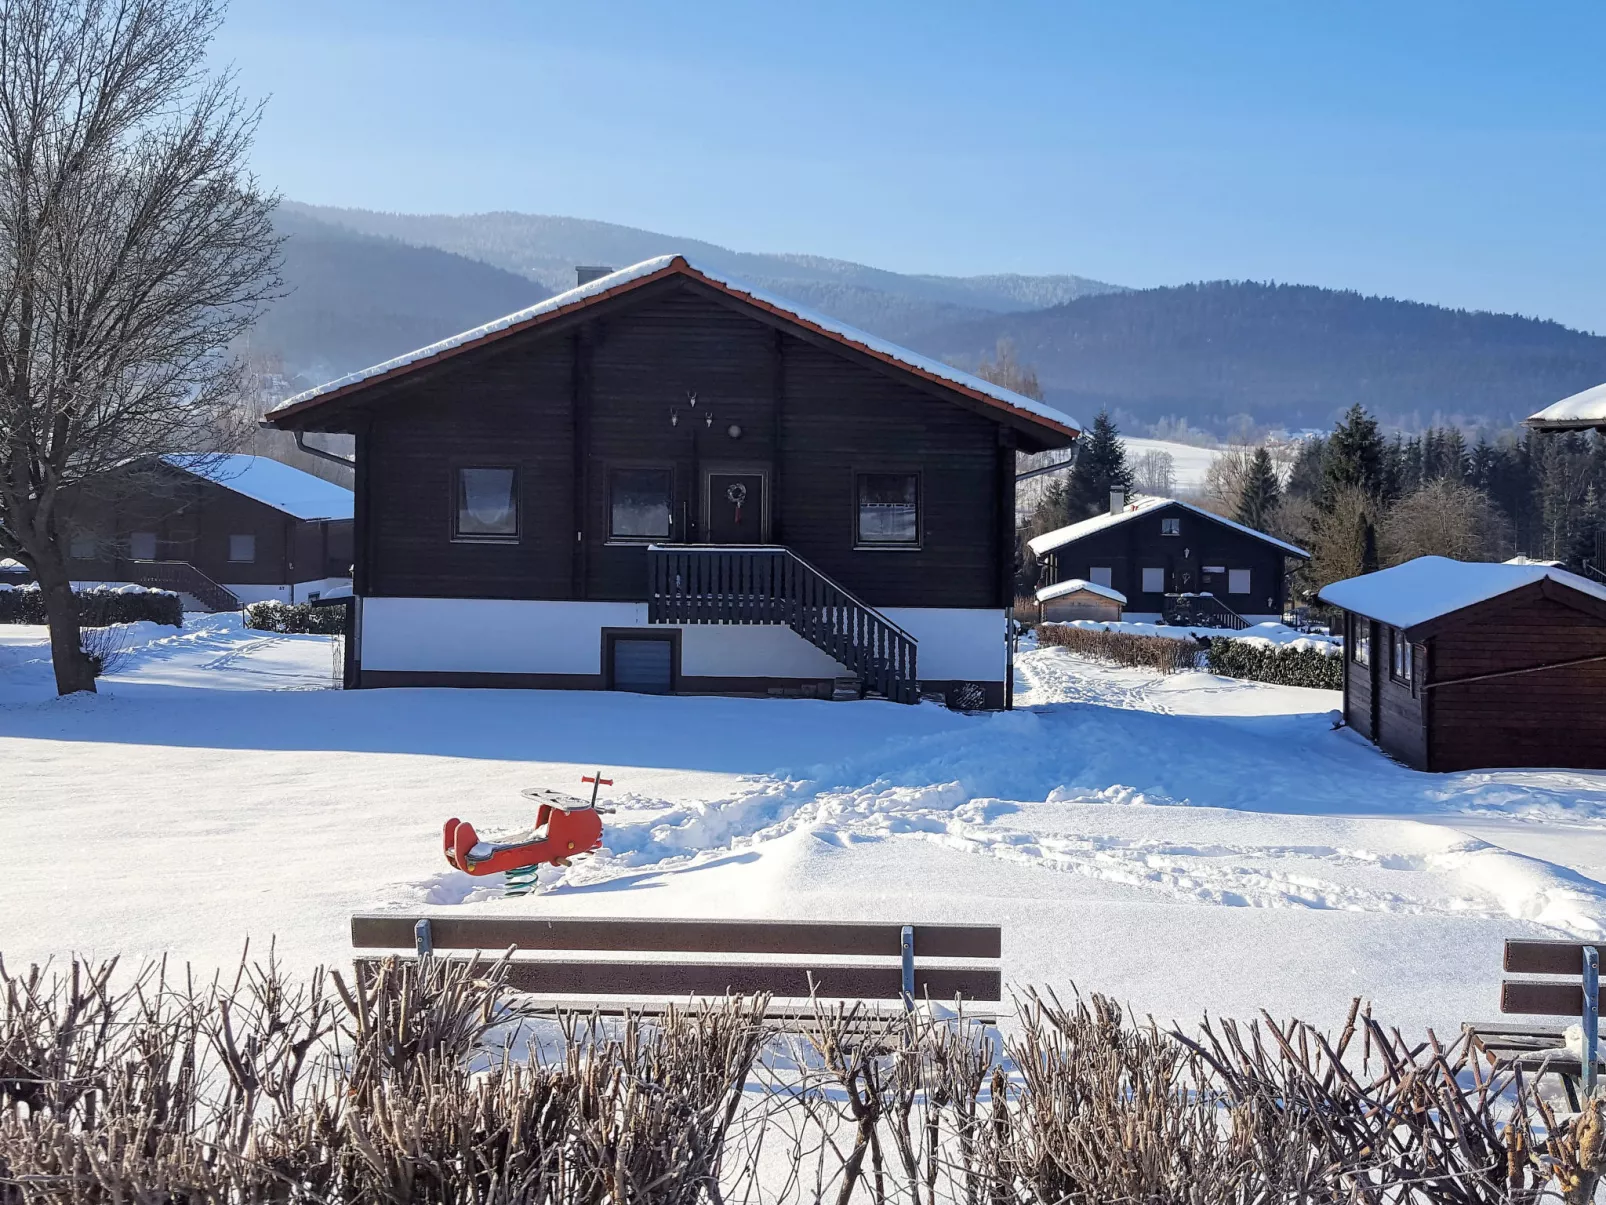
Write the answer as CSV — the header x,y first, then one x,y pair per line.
x,y
1536,996
886,980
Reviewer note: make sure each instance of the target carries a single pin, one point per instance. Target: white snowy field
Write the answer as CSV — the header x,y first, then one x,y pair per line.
x,y
1190,465
1188,843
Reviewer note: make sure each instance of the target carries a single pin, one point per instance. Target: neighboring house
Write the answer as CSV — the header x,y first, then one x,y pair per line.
x,y
665,480
253,526
1078,599
1581,412
1158,551
1457,666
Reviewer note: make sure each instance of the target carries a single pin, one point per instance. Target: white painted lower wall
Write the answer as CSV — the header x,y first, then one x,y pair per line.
x,y
514,636
252,592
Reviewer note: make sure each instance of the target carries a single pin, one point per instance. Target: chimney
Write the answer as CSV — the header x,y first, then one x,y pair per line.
x,y
584,274
1117,501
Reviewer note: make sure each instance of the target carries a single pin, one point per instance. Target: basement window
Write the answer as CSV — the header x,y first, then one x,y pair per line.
x,y
889,509
242,549
487,504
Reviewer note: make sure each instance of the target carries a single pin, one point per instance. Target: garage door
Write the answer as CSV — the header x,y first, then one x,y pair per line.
x,y
644,664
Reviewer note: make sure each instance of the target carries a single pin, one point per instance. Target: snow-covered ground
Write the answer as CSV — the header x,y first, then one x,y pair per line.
x,y
1185,843
1189,464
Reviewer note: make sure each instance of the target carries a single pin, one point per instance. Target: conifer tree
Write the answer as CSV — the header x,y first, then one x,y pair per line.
x,y
1354,455
1100,467
1261,492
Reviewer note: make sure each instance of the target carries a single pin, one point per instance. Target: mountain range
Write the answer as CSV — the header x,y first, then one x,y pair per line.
x,y
363,286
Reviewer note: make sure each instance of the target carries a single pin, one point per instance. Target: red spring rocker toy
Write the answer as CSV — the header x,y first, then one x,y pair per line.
x,y
565,828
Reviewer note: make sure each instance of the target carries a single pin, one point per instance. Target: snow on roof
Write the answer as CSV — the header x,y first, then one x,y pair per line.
x,y
1076,585
1141,506
1585,409
1431,586
271,483
666,263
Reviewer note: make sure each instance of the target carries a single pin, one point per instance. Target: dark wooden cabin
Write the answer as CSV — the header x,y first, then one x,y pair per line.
x,y
665,480
223,530
1457,666
1165,555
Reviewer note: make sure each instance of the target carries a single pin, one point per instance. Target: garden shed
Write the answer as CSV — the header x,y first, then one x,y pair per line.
x,y
1075,598
1456,666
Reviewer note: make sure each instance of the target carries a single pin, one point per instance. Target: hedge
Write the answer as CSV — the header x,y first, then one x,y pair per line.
x,y
1283,665
296,618
97,607
1122,648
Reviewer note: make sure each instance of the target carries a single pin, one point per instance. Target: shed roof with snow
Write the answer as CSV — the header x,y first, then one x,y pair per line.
x,y
1004,403
1076,585
1138,507
269,482
1578,412
1431,588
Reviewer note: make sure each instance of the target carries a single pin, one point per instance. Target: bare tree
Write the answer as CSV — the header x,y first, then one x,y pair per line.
x,y
1443,518
134,247
1005,369
1154,473
1224,479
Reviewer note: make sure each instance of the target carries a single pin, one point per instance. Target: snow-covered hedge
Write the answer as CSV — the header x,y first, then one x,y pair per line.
x,y
1122,648
97,607
1285,665
295,618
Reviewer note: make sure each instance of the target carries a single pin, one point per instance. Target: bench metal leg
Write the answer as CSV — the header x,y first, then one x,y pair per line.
x,y
908,947
1591,1018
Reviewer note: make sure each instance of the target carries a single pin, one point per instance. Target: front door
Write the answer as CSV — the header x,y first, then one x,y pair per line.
x,y
735,507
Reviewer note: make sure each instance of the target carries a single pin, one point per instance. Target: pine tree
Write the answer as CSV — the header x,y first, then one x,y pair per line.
x,y
1305,478
1354,455
1100,467
1261,492
1583,555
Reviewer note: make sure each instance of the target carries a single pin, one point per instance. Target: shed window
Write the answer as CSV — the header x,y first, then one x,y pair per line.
x,y
1154,581
1099,575
1360,645
1401,662
1171,527
487,503
640,504
889,508
83,547
1238,581
142,545
242,548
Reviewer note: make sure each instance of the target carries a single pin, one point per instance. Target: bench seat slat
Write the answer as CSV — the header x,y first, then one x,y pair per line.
x,y
675,936
678,980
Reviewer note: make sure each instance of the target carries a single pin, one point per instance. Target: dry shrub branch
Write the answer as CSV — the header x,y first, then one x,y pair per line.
x,y
421,1082
1123,648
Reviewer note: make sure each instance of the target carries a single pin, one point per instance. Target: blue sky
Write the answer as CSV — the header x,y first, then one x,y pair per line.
x,y
1446,152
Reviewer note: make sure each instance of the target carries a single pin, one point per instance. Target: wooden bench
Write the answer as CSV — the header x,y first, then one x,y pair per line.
x,y
901,972
1570,988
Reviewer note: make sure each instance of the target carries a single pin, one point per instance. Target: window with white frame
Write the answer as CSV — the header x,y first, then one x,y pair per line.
x,y
1099,575
242,549
1237,581
1153,580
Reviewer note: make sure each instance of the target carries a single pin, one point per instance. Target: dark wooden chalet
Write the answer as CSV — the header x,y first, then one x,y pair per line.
x,y
664,480
1457,666
1173,561
224,530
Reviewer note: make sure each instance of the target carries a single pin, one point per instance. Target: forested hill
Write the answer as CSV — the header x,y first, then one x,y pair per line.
x,y
1293,355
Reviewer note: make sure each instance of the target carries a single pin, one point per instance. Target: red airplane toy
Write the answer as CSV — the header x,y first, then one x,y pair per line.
x,y
565,828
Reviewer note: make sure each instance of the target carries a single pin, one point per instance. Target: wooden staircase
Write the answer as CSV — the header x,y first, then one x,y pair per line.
x,y
181,577
1201,611
769,584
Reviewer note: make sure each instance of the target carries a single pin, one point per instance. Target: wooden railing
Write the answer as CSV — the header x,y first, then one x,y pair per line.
x,y
180,577
1201,610
767,584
